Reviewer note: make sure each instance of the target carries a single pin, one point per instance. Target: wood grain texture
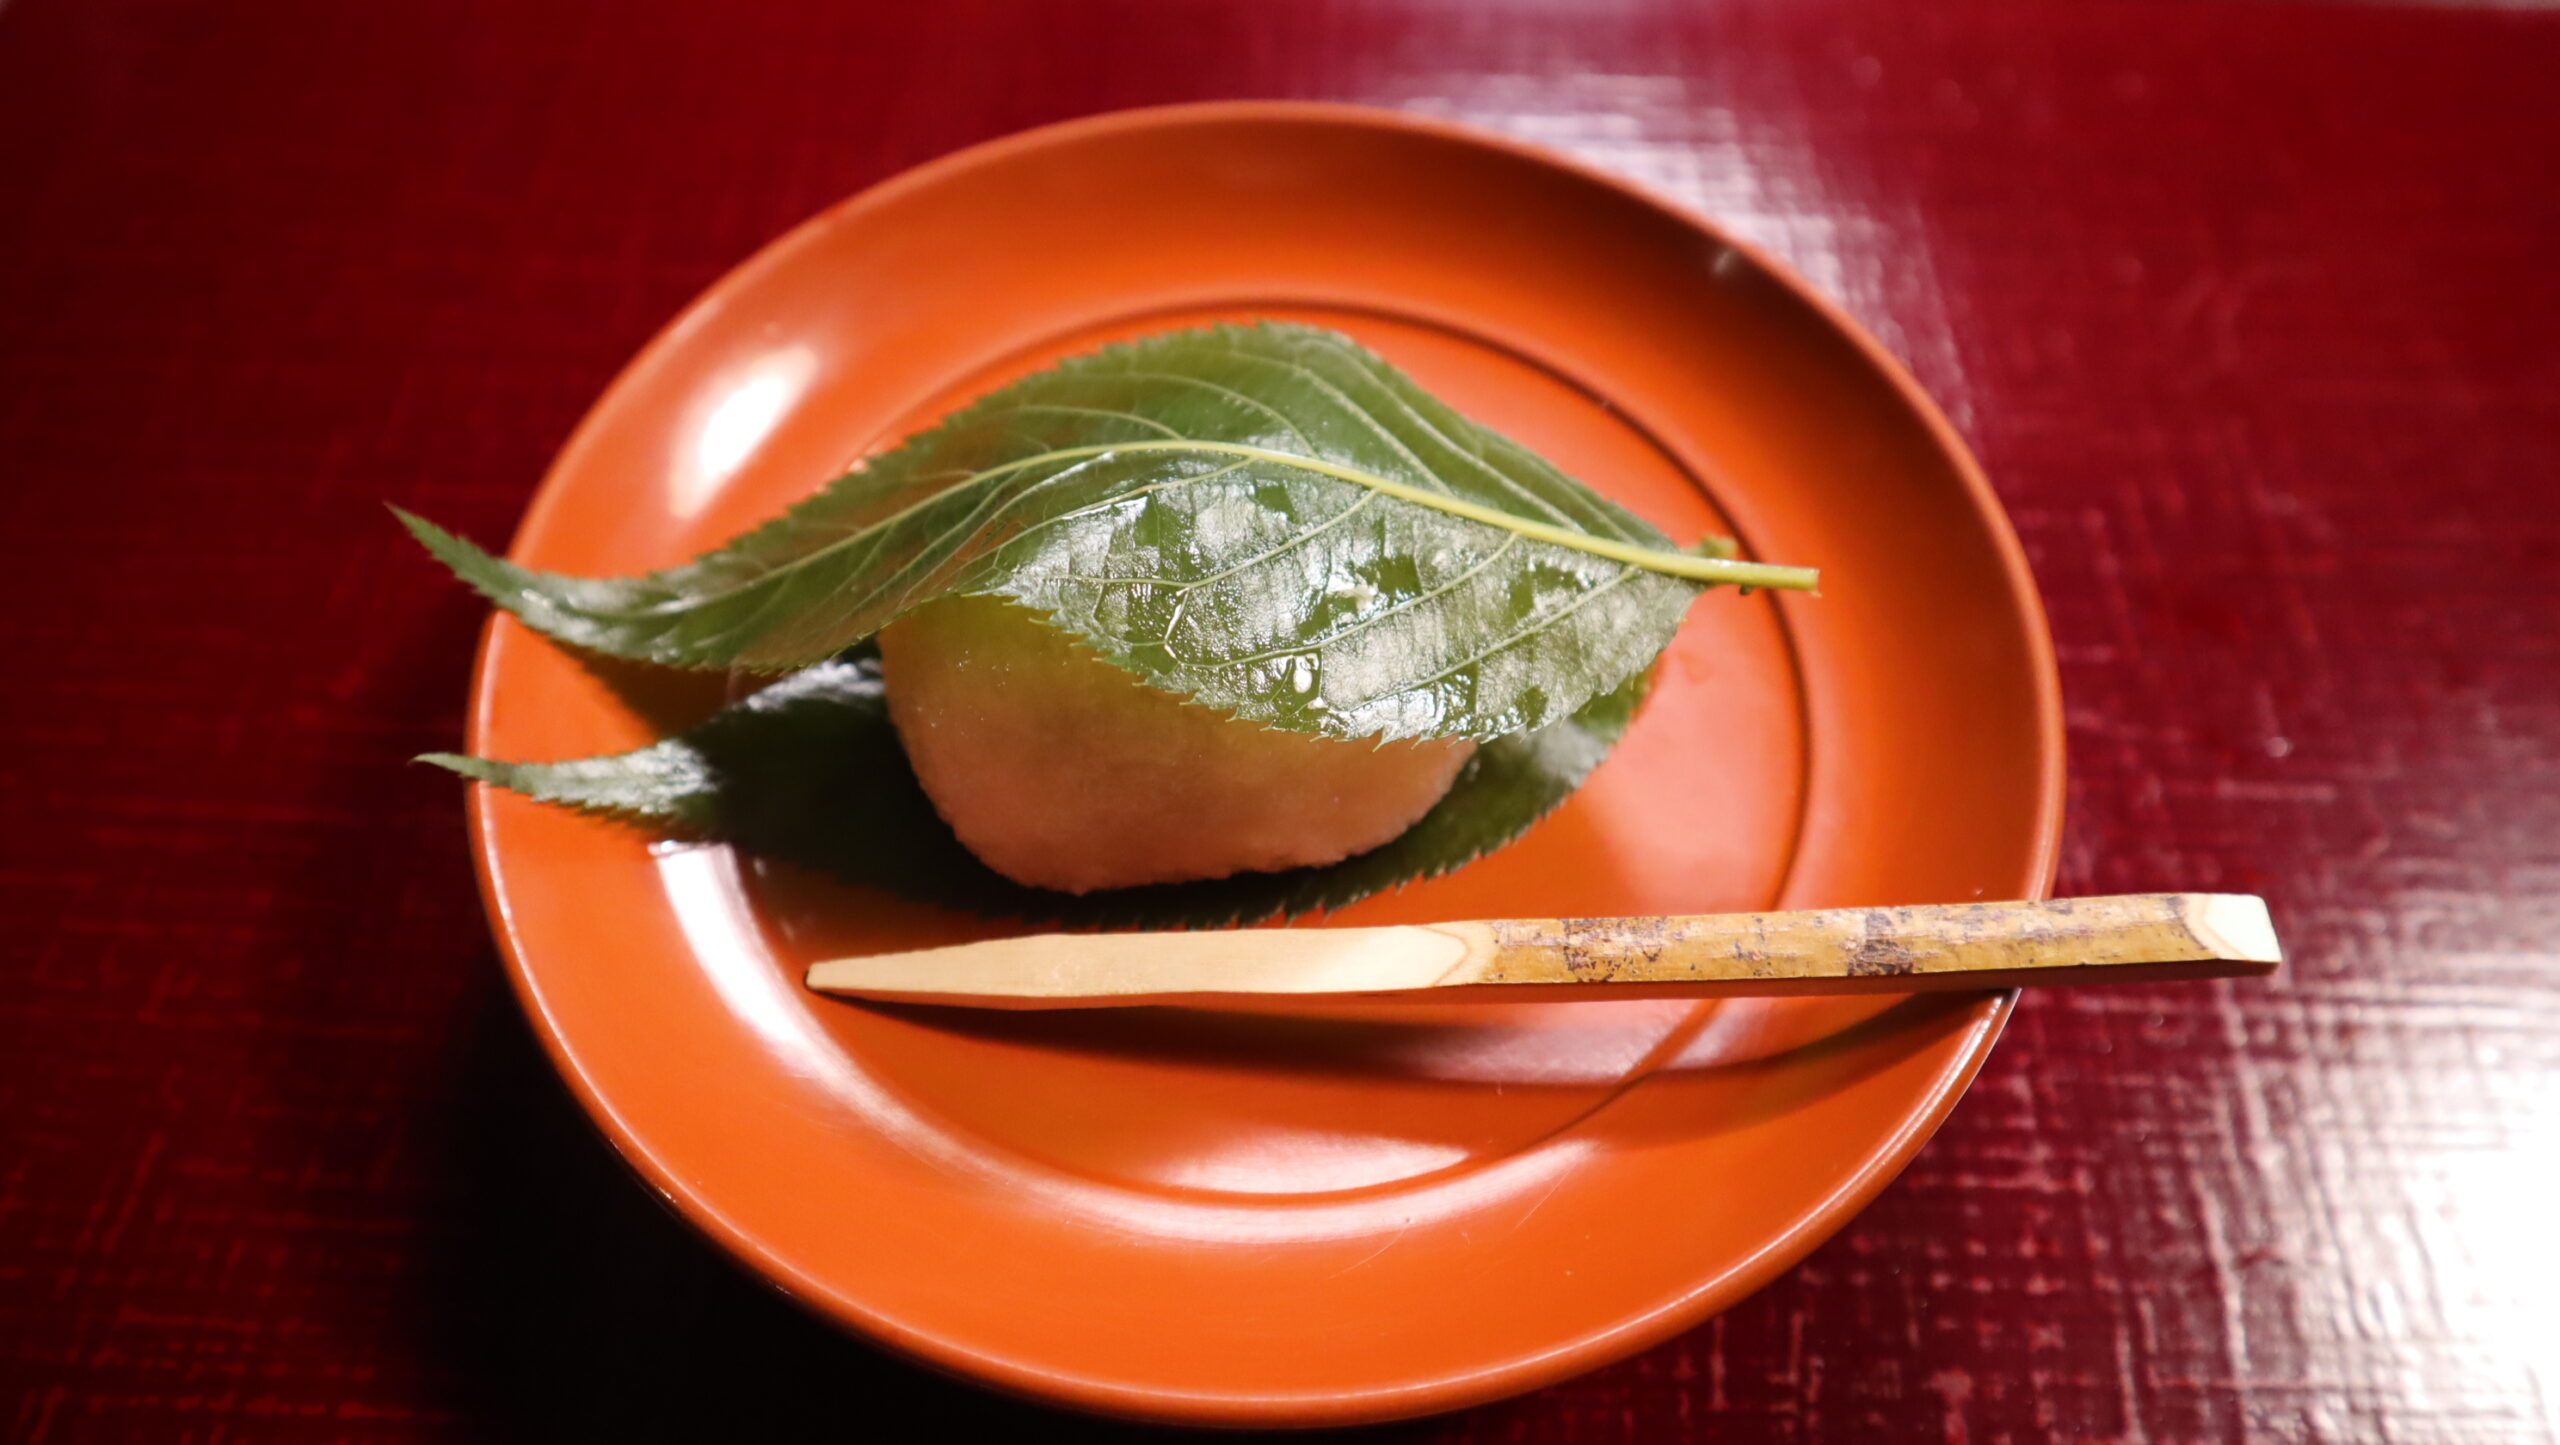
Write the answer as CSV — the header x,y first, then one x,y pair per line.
x,y
1916,948
2247,309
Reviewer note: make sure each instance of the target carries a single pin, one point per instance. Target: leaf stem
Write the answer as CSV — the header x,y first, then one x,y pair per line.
x,y
1652,559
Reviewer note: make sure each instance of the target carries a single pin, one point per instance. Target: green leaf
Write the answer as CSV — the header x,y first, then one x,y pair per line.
x,y
809,771
1268,519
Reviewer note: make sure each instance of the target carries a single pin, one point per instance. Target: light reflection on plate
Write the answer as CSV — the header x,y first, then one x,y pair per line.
x,y
706,889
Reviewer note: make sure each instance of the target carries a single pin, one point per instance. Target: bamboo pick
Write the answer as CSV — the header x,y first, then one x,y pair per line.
x,y
2132,939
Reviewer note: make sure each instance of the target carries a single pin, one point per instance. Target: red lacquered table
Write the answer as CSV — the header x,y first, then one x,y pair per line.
x,y
2250,311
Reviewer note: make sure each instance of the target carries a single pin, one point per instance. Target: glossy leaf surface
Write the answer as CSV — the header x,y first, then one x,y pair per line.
x,y
1269,519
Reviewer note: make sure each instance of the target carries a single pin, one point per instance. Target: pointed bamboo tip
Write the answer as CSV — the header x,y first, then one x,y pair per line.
x,y
2236,926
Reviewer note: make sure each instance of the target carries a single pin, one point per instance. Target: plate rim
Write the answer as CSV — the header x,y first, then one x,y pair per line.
x,y
1706,1297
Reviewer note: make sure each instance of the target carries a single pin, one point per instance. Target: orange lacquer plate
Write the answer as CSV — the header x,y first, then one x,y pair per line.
x,y
1350,1213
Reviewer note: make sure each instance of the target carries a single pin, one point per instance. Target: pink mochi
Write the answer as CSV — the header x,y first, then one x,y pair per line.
x,y
1062,771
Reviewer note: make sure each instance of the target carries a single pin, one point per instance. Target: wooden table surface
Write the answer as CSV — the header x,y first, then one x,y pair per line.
x,y
2252,312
